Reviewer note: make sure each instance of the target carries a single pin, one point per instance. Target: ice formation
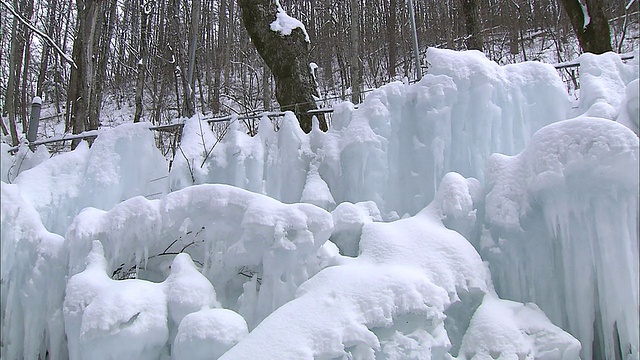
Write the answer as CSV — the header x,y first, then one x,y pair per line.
x,y
396,147
562,221
359,242
414,292
603,79
33,279
629,111
98,326
243,241
122,163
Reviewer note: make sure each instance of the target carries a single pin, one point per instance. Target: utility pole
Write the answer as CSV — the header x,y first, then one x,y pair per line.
x,y
416,53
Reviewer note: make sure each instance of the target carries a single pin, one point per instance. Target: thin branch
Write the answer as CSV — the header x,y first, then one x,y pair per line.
x,y
40,33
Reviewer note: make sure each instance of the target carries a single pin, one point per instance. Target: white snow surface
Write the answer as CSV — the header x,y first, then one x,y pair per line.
x,y
408,295
284,24
603,79
398,234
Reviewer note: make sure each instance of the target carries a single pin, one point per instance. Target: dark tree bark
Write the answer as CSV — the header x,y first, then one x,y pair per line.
x,y
145,11
81,83
44,61
472,24
15,55
356,60
287,57
107,19
596,36
190,82
14,97
392,38
218,56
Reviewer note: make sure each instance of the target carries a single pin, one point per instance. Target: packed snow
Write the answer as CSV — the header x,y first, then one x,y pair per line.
x,y
476,214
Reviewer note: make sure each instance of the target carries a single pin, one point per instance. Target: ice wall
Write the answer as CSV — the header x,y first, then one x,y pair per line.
x,y
396,147
122,163
557,223
46,194
561,230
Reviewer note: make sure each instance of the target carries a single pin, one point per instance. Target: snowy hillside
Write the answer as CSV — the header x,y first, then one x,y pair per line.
x,y
473,215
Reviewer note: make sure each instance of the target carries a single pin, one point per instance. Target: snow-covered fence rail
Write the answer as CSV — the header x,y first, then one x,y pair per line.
x,y
576,63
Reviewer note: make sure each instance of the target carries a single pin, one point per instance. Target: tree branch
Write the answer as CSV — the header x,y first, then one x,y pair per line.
x,y
40,33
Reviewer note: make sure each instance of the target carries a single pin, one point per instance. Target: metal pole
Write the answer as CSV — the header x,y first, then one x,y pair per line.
x,y
36,105
416,53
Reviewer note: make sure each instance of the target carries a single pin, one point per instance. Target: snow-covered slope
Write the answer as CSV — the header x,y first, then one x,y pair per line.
x,y
424,224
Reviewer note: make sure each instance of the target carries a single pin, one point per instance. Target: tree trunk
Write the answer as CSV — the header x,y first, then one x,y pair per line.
x,y
472,25
194,32
218,56
44,61
142,62
82,78
107,18
287,57
392,38
595,37
266,89
15,57
356,60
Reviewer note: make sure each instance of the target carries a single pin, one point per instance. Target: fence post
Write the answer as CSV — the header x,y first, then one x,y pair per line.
x,y
36,106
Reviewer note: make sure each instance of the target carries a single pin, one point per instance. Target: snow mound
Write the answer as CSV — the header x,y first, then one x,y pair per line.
x,y
255,250
109,319
562,231
518,331
348,220
629,111
98,326
404,297
603,79
207,334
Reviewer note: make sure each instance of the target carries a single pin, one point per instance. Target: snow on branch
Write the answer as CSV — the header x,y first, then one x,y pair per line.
x,y
40,33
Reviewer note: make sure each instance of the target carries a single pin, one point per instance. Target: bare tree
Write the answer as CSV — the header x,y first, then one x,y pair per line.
x,y
82,81
356,60
593,32
287,57
472,25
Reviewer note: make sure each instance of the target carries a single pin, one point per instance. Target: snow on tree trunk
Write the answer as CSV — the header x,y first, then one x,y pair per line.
x,y
284,45
590,25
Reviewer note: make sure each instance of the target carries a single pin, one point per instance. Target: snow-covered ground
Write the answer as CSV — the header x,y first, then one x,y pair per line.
x,y
476,214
